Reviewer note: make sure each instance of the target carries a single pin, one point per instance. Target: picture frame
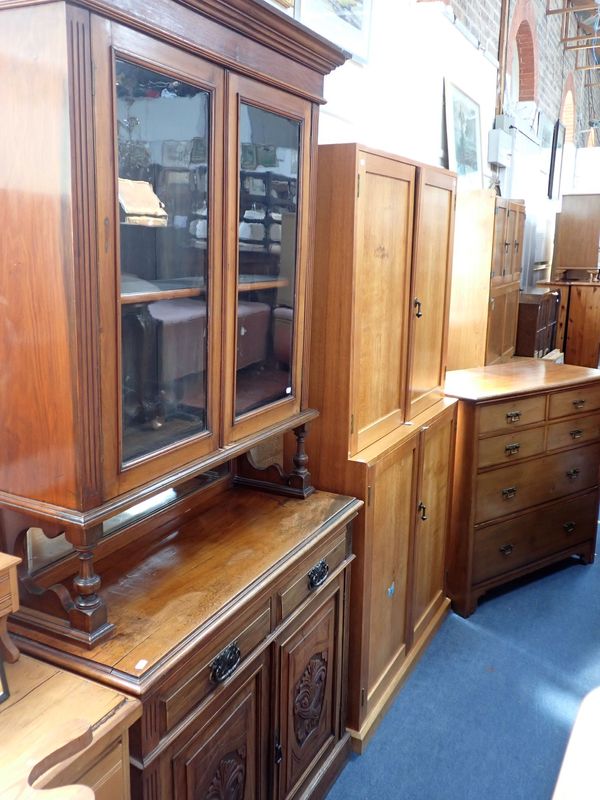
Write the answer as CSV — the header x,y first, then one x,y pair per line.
x,y
248,156
556,157
266,155
345,22
463,135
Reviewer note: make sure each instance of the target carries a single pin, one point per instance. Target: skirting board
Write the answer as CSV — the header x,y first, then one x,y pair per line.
x,y
361,738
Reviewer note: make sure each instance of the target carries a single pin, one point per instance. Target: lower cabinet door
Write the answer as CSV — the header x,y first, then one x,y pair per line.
x,y
495,331
430,532
310,661
226,758
511,313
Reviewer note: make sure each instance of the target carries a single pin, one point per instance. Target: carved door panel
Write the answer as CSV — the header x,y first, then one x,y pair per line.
x,y
310,689
430,532
226,757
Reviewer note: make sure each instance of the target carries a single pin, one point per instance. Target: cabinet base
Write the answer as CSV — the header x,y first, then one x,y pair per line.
x,y
361,737
324,777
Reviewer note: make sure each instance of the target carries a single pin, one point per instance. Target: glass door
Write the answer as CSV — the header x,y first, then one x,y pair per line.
x,y
166,186
270,135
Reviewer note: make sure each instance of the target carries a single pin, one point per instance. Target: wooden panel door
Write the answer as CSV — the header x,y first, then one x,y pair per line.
x,y
511,314
227,757
383,260
495,331
583,329
389,520
518,212
310,657
499,249
430,295
159,284
433,519
509,243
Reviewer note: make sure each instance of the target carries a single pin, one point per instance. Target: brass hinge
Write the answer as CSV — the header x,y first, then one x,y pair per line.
x,y
358,186
352,423
278,750
363,697
369,495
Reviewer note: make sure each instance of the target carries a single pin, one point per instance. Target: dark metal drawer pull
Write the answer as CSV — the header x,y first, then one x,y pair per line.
x,y
418,304
506,549
510,492
318,575
579,403
226,663
513,416
576,434
423,509
572,473
511,449
569,527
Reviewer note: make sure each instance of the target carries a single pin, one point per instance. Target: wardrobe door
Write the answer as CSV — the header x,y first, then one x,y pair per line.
x,y
158,117
430,295
268,157
384,222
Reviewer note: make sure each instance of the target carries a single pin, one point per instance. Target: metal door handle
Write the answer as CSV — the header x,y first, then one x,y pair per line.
x,y
417,304
423,509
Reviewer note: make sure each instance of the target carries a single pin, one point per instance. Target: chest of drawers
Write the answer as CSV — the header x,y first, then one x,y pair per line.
x,y
526,472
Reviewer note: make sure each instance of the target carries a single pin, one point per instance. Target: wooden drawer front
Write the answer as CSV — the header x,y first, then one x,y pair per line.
x,y
228,650
510,447
312,574
512,414
107,777
574,401
510,489
575,431
509,545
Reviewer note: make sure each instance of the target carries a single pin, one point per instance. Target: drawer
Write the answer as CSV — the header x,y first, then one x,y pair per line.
x,y
574,401
107,777
510,489
510,447
228,649
311,574
512,414
507,546
578,430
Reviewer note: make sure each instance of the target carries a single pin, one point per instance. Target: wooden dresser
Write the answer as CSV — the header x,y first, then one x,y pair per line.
x,y
58,729
232,631
526,472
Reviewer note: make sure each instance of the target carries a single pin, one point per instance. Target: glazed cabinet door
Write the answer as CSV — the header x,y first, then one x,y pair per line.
x,y
390,518
432,522
381,288
430,295
159,178
518,210
226,756
310,655
500,247
268,157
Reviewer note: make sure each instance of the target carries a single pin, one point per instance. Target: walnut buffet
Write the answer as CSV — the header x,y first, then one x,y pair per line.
x,y
526,473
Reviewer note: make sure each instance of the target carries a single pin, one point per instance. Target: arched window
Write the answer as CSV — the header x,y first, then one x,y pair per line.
x,y
526,62
567,116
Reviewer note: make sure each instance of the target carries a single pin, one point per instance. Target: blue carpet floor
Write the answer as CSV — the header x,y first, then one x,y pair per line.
x,y
487,711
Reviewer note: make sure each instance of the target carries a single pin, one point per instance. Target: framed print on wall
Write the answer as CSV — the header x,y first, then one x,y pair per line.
x,y
556,154
345,22
463,134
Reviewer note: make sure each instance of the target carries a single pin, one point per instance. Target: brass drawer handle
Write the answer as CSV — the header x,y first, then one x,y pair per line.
x,y
507,494
511,449
572,473
513,416
226,663
569,527
576,434
506,549
418,304
422,508
318,575
579,403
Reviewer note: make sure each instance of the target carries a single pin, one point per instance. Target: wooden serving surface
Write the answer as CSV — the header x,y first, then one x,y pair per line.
x,y
165,595
519,376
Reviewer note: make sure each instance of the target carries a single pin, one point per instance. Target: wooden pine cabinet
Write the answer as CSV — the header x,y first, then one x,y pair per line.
x,y
538,322
526,477
169,259
382,265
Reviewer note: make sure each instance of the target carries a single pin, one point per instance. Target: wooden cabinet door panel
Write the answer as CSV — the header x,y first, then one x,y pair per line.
x,y
499,244
511,313
310,653
389,518
495,331
583,345
509,243
383,253
437,448
430,289
517,241
227,756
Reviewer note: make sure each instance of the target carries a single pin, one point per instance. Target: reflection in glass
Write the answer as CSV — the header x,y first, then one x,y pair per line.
x,y
268,215
162,138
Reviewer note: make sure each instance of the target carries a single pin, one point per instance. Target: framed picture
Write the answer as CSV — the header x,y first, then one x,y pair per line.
x,y
266,155
248,156
463,134
345,22
556,155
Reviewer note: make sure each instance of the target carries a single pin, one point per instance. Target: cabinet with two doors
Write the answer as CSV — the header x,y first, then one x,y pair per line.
x,y
382,265
526,479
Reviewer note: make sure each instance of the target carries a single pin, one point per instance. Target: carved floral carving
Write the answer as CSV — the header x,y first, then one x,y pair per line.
x,y
229,780
309,697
